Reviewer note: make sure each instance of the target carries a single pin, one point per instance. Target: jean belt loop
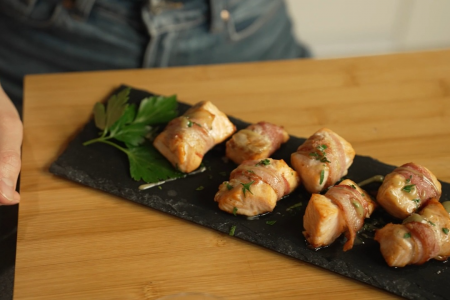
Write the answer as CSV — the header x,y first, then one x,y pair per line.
x,y
219,15
84,7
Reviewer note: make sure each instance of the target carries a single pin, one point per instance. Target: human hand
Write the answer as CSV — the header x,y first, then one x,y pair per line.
x,y
10,143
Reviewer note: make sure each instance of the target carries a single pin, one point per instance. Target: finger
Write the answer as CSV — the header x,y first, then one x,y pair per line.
x,y
10,144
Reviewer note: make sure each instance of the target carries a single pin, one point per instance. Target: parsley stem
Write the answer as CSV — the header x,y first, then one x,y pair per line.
x,y
103,140
376,178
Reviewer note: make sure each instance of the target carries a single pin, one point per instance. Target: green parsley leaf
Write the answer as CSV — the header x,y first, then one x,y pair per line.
x,y
251,171
408,188
235,211
322,173
264,162
270,222
232,230
322,148
431,223
190,123
100,115
148,164
409,179
417,201
246,187
324,160
290,208
200,188
229,186
362,194
156,110
115,107
407,235
445,230
159,187
353,186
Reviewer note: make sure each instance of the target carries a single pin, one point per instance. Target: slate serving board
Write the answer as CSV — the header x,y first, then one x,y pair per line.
x,y
105,168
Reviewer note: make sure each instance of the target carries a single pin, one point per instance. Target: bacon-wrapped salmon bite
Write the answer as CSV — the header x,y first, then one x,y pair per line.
x,y
342,209
257,141
421,237
186,139
322,160
406,189
255,186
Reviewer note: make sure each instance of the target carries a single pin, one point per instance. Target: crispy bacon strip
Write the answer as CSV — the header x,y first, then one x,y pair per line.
x,y
257,141
322,160
421,237
186,139
407,189
255,186
342,209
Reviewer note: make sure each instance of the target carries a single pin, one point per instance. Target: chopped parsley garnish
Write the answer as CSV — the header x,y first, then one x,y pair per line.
x,y
189,123
407,235
408,188
246,187
270,222
264,162
235,211
251,171
200,188
417,201
322,148
445,230
322,155
232,230
362,194
322,173
431,223
353,186
229,186
298,205
409,179
159,187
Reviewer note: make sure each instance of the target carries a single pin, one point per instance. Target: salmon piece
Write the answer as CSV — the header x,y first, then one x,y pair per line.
x,y
257,141
323,221
186,139
322,160
255,186
407,189
342,209
421,237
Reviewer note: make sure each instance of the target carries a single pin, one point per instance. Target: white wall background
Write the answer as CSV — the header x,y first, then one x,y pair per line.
x,y
337,28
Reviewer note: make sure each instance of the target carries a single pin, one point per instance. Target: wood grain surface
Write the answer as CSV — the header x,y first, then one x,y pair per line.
x,y
79,243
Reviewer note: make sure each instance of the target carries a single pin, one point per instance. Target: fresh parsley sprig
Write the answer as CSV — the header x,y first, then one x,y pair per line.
x,y
124,122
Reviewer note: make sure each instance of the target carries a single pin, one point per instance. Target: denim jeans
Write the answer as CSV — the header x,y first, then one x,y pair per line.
x,y
48,36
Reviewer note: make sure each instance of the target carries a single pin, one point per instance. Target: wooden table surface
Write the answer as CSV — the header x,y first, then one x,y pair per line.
x,y
78,243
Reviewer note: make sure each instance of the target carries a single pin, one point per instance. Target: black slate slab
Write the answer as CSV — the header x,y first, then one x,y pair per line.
x,y
105,168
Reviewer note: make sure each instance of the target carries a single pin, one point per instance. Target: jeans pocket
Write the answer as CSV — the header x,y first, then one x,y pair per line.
x,y
247,17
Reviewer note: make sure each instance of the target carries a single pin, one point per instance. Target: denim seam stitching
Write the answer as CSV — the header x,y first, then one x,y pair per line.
x,y
238,36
